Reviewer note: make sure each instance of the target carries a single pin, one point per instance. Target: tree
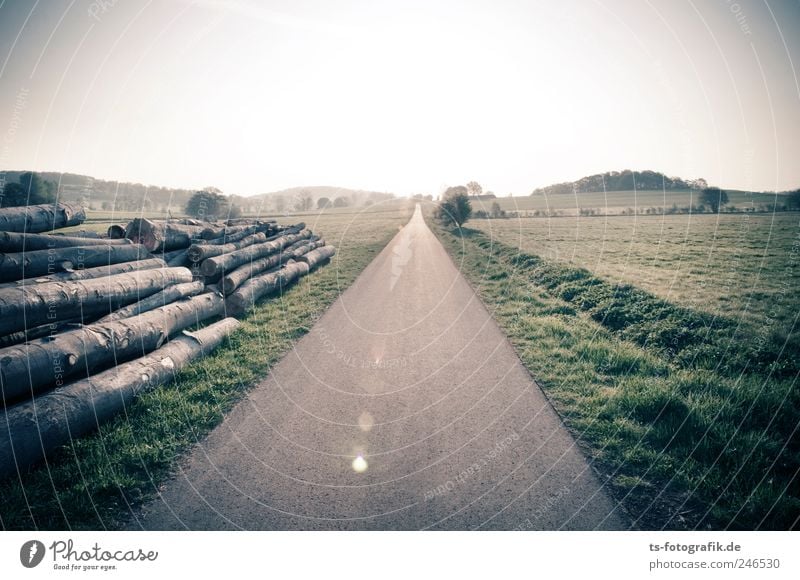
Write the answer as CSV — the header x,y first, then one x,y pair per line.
x,y
497,211
474,188
31,190
205,205
303,202
280,203
793,199
341,202
714,197
323,203
234,211
455,207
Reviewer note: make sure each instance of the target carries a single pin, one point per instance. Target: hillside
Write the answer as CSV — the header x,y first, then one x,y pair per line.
x,y
625,180
100,194
295,195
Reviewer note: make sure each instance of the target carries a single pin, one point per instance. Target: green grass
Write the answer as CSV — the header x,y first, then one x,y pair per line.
x,y
93,483
684,441
739,266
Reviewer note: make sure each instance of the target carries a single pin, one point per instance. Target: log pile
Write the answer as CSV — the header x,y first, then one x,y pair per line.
x,y
88,322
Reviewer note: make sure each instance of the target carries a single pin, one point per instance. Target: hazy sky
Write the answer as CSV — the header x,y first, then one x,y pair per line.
x,y
405,96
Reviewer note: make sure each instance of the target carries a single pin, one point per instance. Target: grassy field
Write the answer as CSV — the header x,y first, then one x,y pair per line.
x,y
692,418
94,483
614,202
734,265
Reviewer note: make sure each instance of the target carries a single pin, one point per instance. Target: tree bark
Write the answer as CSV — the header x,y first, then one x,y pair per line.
x,y
251,291
162,236
166,296
30,306
218,266
19,265
49,362
31,430
90,273
16,242
200,252
40,218
318,256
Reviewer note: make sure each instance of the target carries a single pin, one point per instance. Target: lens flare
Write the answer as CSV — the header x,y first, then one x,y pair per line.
x,y
360,464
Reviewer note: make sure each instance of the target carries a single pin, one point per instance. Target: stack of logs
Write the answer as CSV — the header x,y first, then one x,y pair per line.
x,y
88,322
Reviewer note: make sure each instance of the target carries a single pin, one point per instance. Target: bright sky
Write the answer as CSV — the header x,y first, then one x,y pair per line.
x,y
404,96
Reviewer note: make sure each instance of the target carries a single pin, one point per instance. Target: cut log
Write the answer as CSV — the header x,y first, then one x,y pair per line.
x,y
166,296
18,265
212,232
40,218
16,242
88,234
255,288
29,306
31,430
49,362
200,252
179,259
318,256
162,236
39,332
232,280
90,273
116,231
218,266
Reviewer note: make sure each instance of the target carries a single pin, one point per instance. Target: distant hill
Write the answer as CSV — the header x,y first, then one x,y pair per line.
x,y
625,180
294,196
101,194
98,194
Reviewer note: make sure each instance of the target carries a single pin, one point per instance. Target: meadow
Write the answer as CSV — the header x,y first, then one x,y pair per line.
x,y
668,345
733,265
95,482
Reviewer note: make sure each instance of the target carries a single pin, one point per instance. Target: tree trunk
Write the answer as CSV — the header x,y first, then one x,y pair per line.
x,y
31,430
219,265
47,363
200,252
40,332
15,242
212,232
232,280
181,258
116,231
30,306
318,256
90,273
40,218
162,236
251,291
166,296
19,265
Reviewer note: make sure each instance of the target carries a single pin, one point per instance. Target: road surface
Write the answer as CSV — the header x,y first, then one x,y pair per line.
x,y
405,407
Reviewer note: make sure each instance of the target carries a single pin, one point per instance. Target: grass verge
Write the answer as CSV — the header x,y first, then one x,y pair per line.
x,y
691,433
94,482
